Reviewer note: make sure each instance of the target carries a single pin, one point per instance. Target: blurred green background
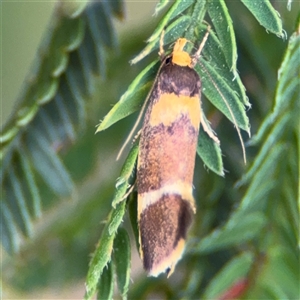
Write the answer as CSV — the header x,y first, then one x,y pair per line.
x,y
23,25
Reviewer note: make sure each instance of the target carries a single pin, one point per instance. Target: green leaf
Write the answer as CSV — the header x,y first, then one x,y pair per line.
x,y
124,182
267,149
161,5
104,249
223,24
132,99
274,127
220,94
214,54
173,32
106,283
235,270
266,15
133,215
103,252
51,109
9,231
40,150
33,189
278,271
287,89
273,186
176,9
240,228
210,153
122,256
73,9
18,203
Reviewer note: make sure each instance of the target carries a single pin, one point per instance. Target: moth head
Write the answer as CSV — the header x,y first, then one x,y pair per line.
x,y
179,56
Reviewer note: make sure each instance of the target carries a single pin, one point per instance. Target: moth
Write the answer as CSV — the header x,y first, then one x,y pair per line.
x,y
166,161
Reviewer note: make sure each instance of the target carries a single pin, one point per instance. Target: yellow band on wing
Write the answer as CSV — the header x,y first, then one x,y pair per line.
x,y
170,107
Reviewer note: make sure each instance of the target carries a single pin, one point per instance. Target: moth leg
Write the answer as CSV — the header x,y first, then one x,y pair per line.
x,y
137,135
196,56
129,191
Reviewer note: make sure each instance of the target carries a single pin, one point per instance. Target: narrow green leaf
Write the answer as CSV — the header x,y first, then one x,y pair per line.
x,y
132,99
18,203
255,197
62,42
133,215
210,153
180,7
276,292
122,261
235,270
216,89
266,15
26,115
32,186
70,89
65,117
176,9
61,65
174,31
223,24
287,90
100,24
102,254
213,53
6,137
197,12
160,6
274,135
239,229
73,9
116,221
9,232
290,194
105,286
123,182
48,164
46,92
288,76
280,271
51,107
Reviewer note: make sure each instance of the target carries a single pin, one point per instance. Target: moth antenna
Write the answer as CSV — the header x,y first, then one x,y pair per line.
x,y
230,111
161,54
197,54
131,133
129,191
129,137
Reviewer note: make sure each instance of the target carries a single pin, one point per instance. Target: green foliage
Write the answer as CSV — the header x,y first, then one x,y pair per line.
x,y
122,259
244,242
50,112
104,249
105,286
